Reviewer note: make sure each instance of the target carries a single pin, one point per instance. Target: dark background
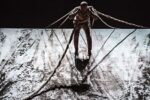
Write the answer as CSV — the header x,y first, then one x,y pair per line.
x,y
39,14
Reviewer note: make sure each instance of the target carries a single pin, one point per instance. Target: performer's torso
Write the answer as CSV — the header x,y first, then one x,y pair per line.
x,y
82,16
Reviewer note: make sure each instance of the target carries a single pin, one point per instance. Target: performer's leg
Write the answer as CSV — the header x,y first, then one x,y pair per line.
x,y
76,39
88,36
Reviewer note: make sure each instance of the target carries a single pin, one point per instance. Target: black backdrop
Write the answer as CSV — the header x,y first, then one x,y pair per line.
x,y
38,14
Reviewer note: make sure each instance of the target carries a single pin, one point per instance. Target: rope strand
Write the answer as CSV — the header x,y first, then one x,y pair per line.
x,y
58,65
102,47
105,22
58,19
118,20
84,79
64,21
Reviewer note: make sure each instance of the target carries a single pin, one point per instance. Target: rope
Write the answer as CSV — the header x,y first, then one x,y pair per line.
x,y
93,21
58,65
62,47
95,11
64,21
102,46
105,22
107,55
66,41
121,21
59,19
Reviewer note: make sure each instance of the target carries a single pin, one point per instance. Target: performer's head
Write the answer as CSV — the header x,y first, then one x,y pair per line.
x,y
83,5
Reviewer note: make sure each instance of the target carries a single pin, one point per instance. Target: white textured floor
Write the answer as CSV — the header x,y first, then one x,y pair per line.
x,y
29,56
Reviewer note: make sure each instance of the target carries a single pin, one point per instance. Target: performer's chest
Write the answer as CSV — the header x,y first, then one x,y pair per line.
x,y
83,15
